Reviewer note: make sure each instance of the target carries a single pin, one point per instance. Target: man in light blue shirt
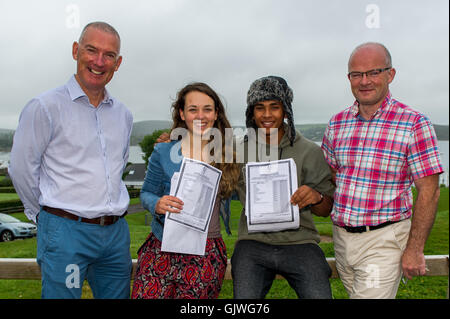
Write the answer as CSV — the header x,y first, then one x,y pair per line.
x,y
67,160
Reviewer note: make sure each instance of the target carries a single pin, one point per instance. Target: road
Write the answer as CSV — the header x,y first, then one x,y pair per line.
x,y
136,208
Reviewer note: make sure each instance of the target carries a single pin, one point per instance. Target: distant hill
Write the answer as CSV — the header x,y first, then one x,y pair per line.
x,y
441,132
140,129
5,131
312,131
6,139
315,131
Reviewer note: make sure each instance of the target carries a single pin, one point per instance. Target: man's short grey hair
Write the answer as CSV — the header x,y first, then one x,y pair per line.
x,y
103,26
386,51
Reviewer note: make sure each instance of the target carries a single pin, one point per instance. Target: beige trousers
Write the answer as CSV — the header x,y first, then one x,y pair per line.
x,y
369,263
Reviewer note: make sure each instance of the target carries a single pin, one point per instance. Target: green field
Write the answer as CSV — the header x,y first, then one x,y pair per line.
x,y
8,196
418,288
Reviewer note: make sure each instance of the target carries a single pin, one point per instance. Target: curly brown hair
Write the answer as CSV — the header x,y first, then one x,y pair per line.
x,y
230,171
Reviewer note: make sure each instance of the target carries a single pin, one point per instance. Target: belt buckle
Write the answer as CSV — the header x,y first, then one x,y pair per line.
x,y
102,221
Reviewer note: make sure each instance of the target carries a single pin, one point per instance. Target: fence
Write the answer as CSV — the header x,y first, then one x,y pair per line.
x,y
27,268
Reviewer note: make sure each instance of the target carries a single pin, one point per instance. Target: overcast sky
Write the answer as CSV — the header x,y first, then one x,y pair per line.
x,y
228,44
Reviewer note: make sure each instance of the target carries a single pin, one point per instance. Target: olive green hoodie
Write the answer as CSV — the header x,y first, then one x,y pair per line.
x,y
312,170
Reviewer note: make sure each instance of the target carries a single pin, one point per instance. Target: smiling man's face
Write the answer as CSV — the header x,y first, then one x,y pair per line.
x,y
97,57
269,115
370,92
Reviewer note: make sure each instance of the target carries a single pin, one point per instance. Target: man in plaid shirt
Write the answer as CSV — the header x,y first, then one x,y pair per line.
x,y
377,148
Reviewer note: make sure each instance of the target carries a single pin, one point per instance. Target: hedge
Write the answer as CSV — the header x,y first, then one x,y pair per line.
x,y
11,203
7,189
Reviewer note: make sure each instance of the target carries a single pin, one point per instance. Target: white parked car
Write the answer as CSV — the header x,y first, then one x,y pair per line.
x,y
11,228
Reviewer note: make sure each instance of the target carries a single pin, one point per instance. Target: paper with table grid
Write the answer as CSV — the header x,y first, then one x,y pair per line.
x,y
269,187
196,185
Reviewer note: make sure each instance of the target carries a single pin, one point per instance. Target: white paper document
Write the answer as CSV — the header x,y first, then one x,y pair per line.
x,y
196,185
269,188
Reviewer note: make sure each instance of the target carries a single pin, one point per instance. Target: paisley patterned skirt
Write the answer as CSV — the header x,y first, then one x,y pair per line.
x,y
164,275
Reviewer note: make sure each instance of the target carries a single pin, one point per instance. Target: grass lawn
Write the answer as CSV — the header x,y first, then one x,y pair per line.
x,y
418,288
8,196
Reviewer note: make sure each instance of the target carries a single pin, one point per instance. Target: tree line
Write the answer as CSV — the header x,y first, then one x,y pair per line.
x,y
6,140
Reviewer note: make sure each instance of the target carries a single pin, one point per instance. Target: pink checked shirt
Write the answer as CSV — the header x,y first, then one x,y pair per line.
x,y
377,162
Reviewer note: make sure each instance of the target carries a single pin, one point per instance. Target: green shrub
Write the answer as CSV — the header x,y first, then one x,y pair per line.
x,y
6,181
11,203
7,189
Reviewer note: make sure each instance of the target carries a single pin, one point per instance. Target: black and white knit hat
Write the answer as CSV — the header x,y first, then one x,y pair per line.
x,y
271,88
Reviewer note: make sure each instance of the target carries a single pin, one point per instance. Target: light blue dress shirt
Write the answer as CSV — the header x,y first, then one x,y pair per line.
x,y
70,155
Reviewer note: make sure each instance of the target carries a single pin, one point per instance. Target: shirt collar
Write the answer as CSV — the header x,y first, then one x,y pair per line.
x,y
354,109
75,91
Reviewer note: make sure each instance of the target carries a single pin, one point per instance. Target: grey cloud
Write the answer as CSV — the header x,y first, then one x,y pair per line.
x,y
228,44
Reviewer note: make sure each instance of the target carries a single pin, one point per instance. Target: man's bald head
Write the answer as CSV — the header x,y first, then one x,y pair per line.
x,y
374,45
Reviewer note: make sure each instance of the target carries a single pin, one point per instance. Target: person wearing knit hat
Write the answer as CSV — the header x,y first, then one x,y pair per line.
x,y
295,254
266,89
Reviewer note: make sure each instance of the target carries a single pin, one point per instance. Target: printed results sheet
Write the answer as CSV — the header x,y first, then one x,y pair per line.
x,y
269,187
196,185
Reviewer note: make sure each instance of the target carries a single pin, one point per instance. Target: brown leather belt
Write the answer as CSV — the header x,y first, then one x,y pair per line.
x,y
103,220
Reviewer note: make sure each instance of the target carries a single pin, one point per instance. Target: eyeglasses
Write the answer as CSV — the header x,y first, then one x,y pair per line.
x,y
371,74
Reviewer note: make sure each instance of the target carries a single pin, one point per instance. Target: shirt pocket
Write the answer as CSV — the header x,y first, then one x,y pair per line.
x,y
391,161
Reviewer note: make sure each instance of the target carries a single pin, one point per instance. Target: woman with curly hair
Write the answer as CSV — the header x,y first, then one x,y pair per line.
x,y
198,110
